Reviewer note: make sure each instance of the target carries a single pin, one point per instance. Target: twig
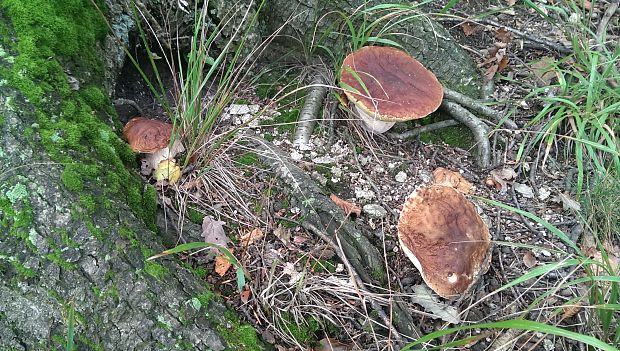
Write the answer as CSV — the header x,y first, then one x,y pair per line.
x,y
309,112
478,107
600,35
423,129
477,127
356,278
544,42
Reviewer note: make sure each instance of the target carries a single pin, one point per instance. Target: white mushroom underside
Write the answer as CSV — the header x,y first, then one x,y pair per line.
x,y
370,122
166,153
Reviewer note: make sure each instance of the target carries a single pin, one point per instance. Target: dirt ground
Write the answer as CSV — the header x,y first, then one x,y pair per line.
x,y
295,273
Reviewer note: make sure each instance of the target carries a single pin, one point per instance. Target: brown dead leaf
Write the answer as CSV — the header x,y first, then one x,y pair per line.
x,y
469,28
284,234
222,265
330,344
213,232
245,295
544,69
252,236
446,177
299,239
501,176
585,4
529,260
568,202
490,72
348,207
503,35
502,64
570,311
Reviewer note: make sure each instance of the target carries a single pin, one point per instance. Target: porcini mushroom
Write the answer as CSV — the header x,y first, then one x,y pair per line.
x,y
396,87
151,137
445,238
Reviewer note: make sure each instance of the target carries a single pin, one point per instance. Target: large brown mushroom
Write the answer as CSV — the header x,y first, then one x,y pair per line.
x,y
152,137
445,238
385,85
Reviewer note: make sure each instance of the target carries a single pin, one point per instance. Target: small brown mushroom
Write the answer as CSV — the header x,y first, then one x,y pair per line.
x,y
151,137
445,238
396,87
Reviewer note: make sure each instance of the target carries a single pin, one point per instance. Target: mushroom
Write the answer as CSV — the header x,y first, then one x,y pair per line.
x,y
445,238
396,87
151,137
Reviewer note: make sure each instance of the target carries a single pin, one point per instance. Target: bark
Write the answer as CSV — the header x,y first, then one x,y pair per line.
x,y
76,225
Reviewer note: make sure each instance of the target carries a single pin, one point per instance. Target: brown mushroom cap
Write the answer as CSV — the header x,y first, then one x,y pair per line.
x,y
443,235
147,135
397,87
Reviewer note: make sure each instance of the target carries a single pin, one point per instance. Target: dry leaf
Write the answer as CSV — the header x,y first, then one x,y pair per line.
x,y
245,295
502,176
299,239
585,4
568,202
524,190
446,177
213,232
502,64
424,297
570,311
283,234
330,344
503,35
252,236
468,28
348,207
544,69
222,265
529,260
511,2
490,72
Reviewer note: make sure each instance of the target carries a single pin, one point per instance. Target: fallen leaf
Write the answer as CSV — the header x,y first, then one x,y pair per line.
x,y
524,190
425,298
284,234
511,2
245,295
568,202
446,177
330,344
213,232
348,207
490,72
570,311
544,69
468,28
222,265
502,176
289,269
529,260
503,35
585,4
252,236
299,239
502,64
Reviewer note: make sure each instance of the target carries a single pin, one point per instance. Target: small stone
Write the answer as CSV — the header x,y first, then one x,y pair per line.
x,y
401,177
543,194
545,253
296,156
235,109
374,211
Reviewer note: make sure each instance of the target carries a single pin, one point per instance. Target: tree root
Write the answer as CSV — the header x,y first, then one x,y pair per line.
x,y
309,112
327,218
477,127
478,107
423,129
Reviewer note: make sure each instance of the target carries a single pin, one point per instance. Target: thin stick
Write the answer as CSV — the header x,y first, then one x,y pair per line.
x,y
544,42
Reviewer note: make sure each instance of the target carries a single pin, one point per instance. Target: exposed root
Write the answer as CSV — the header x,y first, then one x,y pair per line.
x,y
478,107
423,129
477,127
310,111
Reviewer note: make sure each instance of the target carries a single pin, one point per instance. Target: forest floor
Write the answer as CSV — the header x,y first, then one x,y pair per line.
x,y
377,173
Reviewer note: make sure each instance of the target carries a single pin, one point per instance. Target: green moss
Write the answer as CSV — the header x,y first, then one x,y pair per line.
x,y
71,178
195,216
88,203
248,158
304,333
94,97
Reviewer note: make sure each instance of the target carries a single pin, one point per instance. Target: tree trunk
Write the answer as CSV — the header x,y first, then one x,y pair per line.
x,y
75,224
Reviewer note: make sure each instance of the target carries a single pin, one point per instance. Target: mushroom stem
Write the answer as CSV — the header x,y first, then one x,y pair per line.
x,y
370,123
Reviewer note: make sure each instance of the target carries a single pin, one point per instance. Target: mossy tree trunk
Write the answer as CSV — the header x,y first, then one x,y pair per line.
x,y
75,223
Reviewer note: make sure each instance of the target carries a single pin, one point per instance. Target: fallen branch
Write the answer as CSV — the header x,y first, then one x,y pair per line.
x,y
477,127
541,41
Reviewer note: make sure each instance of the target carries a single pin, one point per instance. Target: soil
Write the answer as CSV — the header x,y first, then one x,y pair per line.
x,y
376,170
